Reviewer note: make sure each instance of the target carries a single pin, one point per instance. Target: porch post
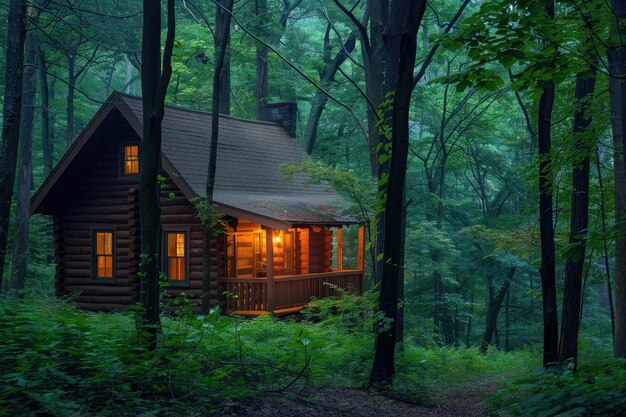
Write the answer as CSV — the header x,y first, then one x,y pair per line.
x,y
269,253
361,248
339,249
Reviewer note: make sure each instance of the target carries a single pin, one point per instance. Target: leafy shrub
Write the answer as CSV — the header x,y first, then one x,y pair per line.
x,y
561,392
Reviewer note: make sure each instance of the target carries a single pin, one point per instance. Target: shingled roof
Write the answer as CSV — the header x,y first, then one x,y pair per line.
x,y
249,179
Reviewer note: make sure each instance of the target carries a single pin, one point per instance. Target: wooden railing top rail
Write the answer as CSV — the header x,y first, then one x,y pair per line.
x,y
302,277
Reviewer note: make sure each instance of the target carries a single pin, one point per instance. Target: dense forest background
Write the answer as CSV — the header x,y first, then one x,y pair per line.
x,y
473,242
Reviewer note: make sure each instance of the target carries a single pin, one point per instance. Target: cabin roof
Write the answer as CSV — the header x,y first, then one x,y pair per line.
x,y
249,181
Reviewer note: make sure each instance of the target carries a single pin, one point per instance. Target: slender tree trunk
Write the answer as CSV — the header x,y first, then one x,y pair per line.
x,y
154,85
546,226
443,314
507,322
69,106
409,15
470,318
574,266
11,113
495,304
400,326
209,227
326,77
617,94
261,91
605,246
25,172
222,26
46,122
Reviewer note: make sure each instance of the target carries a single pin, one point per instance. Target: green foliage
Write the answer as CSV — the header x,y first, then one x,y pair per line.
x,y
60,361
208,215
599,391
360,191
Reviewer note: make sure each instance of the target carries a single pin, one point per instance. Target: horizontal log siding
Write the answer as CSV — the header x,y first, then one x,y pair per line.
x,y
99,198
320,250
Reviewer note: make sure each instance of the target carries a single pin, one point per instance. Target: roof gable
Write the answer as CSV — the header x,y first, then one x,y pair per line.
x,y
248,178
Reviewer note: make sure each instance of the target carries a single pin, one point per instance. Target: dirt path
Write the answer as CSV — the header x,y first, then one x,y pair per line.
x,y
360,403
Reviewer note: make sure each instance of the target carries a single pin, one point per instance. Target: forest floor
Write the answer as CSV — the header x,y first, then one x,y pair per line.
x,y
451,402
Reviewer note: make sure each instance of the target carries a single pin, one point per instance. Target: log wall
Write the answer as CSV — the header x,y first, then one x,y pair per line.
x,y
320,249
97,197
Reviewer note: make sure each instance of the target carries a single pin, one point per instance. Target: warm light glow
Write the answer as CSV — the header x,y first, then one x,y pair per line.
x,y
176,256
277,239
104,254
131,159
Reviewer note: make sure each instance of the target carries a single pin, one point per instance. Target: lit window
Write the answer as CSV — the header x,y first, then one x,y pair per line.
x,y
131,159
104,254
176,256
246,253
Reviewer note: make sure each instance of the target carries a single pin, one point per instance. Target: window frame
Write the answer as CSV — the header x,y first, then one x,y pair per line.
x,y
122,159
165,270
94,255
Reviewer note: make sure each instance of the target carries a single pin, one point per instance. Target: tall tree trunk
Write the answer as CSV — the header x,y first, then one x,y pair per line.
x,y
408,16
11,113
261,90
495,304
209,226
617,94
605,246
69,106
468,338
400,326
25,173
327,75
546,225
46,122
154,85
443,318
574,266
507,322
222,26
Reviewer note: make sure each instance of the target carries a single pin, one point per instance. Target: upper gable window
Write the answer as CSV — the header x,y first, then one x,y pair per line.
x,y
130,162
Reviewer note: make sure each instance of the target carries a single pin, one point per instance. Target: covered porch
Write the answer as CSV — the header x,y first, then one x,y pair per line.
x,y
280,271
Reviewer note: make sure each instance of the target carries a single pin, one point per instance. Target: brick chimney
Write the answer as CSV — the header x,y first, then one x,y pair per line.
x,y
285,114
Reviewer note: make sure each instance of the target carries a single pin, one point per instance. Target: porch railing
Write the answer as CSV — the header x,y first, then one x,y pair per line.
x,y
250,295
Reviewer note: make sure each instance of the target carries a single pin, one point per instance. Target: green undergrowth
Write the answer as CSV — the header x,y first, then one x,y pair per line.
x,y
56,360
598,389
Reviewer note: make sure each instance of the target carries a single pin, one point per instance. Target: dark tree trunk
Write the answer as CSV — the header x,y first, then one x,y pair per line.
x,y
209,227
261,91
11,113
25,172
495,304
46,122
405,16
574,266
400,326
69,106
222,26
154,85
468,338
617,94
546,225
605,246
327,75
507,322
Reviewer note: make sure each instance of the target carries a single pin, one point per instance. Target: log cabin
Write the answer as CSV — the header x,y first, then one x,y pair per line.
x,y
282,240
